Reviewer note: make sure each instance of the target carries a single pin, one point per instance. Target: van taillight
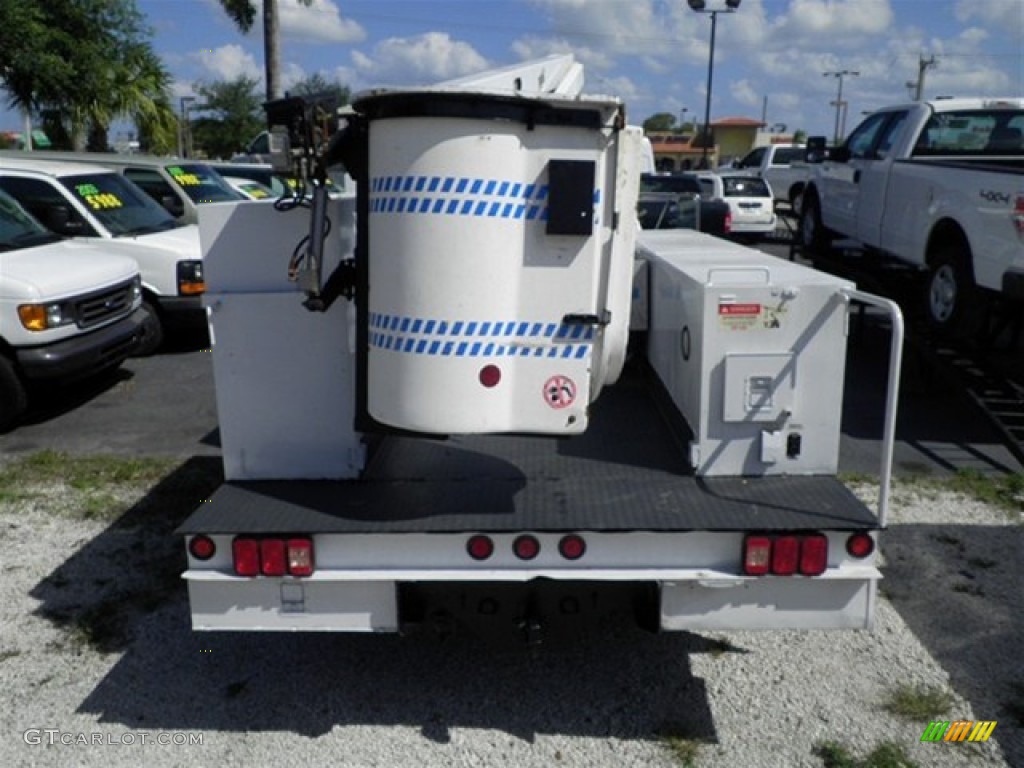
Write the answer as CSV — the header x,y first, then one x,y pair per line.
x,y
480,547
202,547
572,547
526,547
273,556
860,545
785,555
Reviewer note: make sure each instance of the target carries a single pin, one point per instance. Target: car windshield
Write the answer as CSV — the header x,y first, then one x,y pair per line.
x,y
744,187
202,184
18,229
118,204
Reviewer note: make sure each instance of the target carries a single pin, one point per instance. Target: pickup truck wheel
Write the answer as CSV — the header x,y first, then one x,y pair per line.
x,y
951,299
152,331
13,398
813,235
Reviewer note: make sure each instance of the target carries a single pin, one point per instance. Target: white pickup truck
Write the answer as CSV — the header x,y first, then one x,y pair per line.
x,y
935,184
67,309
782,166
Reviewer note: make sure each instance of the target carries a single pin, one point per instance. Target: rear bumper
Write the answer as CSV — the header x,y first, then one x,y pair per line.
x,y
83,355
687,600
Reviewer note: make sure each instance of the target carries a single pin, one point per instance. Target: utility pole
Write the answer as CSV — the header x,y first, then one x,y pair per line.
x,y
923,65
839,104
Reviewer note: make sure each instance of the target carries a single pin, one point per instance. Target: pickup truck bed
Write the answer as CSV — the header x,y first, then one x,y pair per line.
x,y
627,472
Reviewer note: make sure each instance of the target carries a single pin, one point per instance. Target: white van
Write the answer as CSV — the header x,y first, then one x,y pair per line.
x,y
180,186
67,309
86,201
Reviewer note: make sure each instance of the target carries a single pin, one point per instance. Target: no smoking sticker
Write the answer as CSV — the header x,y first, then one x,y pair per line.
x,y
559,392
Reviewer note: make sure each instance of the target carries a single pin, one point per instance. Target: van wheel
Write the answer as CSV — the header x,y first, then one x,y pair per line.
x,y
152,331
13,398
813,234
951,297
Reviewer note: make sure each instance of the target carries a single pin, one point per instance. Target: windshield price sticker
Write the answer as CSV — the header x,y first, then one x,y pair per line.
x,y
98,200
183,177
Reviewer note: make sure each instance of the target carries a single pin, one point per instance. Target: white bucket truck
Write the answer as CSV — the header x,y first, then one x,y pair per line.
x,y
90,202
66,309
463,442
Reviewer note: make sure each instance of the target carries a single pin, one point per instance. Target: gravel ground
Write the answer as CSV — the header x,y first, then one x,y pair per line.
x,y
95,646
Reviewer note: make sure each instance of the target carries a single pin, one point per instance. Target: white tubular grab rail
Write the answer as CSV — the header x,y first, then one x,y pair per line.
x,y
892,393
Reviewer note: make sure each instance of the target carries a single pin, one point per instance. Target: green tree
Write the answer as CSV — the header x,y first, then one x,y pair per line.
x,y
83,63
800,136
660,123
243,13
318,84
232,115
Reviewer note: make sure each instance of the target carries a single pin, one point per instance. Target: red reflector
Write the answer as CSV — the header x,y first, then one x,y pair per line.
x,y
202,547
757,552
572,547
246,556
480,547
526,547
860,545
300,557
490,375
785,555
272,560
814,555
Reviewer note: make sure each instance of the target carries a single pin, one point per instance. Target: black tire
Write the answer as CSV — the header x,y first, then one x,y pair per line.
x,y
152,331
814,237
13,397
951,300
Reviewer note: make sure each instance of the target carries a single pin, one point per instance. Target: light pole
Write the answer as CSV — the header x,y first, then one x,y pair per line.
x,y
700,6
184,135
839,104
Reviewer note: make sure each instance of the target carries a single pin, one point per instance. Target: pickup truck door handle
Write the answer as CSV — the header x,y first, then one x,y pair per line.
x,y
856,177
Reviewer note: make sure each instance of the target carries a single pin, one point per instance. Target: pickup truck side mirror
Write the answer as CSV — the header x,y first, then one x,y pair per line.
x,y
840,155
58,219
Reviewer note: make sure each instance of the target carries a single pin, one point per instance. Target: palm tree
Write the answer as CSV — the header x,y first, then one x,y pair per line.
x,y
243,13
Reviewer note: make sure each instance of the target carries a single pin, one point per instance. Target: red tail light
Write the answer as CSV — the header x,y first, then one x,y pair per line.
x,y
860,545
785,555
480,547
813,555
272,559
300,556
202,547
246,555
757,555
526,547
1018,215
272,556
728,222
572,547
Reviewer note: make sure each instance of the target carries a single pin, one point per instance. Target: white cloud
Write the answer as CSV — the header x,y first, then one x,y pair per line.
x,y
1007,15
229,62
427,58
321,22
745,93
532,47
843,18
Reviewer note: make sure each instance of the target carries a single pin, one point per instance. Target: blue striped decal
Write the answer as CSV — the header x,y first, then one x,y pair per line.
x,y
451,196
473,338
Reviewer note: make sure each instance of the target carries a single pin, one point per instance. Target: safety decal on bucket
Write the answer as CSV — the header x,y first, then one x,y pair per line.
x,y
739,317
559,392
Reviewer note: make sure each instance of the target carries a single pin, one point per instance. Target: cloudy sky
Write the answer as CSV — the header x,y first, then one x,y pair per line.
x,y
770,55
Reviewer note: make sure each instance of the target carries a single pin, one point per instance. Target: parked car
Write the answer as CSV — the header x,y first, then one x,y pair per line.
x,y
178,185
712,216
92,203
280,184
783,166
749,199
665,210
67,309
